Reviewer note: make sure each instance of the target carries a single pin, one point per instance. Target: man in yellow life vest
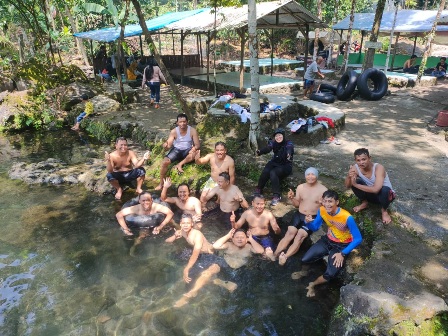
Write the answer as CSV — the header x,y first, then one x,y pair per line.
x,y
342,237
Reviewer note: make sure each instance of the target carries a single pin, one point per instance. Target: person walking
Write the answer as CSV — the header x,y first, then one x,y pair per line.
x,y
153,77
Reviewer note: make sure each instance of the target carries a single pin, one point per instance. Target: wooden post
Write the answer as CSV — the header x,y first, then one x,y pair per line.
x,y
208,60
141,46
307,40
271,39
182,68
242,35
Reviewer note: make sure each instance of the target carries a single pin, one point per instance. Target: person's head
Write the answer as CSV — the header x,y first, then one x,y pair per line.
x,y
279,135
362,157
258,203
311,175
223,180
413,57
103,48
152,61
145,200
186,222
319,59
85,97
239,238
183,191
220,149
182,120
330,201
442,60
121,144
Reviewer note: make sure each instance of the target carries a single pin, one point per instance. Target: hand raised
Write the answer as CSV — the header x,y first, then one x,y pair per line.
x,y
106,156
232,217
290,194
146,155
167,182
198,154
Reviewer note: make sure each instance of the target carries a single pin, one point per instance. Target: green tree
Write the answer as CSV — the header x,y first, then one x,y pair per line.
x,y
368,61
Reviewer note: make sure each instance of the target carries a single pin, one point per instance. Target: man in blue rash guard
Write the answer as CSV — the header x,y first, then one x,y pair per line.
x,y
342,237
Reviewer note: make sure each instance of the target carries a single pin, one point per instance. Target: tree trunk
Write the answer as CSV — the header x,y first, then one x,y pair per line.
x,y
183,104
79,44
254,131
429,39
335,20
317,30
44,6
370,54
118,63
349,37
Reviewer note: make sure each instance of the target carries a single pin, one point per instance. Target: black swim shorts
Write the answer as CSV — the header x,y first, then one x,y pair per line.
x,y
128,176
298,221
177,154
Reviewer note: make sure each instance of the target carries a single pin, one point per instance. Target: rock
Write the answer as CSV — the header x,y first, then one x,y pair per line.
x,y
9,107
103,104
23,84
112,90
70,95
390,309
6,84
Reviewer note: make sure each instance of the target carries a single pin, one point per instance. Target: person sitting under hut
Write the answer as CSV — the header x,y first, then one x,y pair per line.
x,y
409,66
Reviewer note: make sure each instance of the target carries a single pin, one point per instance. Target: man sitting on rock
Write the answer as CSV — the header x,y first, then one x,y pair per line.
x,y
370,183
123,166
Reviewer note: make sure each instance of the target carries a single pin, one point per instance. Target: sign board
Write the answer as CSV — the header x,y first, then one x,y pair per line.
x,y
376,45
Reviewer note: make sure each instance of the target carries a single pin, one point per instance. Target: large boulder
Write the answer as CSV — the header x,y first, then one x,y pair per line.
x,y
103,104
70,95
10,106
6,84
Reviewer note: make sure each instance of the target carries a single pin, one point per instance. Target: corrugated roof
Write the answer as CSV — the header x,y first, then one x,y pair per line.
x,y
113,33
277,14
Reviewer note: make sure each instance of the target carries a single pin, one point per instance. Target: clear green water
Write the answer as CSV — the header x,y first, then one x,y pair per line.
x,y
65,268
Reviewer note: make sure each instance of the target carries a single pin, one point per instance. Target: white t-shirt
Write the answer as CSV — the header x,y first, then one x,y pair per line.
x,y
311,71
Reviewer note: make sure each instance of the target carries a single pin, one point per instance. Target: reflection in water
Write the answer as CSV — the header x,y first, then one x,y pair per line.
x,y
65,268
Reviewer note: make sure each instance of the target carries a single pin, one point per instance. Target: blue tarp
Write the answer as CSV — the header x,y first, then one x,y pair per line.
x,y
113,33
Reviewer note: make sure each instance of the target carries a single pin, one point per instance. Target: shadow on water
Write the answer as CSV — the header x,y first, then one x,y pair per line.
x,y
65,268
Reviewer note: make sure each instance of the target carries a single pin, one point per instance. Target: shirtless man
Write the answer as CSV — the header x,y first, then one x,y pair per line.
x,y
237,250
183,141
370,183
124,166
307,200
259,220
230,198
219,162
184,201
202,257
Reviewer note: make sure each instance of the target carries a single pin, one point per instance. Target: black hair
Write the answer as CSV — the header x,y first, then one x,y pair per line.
x,y
145,193
260,196
221,143
443,58
149,70
331,194
181,115
121,139
183,184
186,215
84,97
414,56
361,151
238,230
225,175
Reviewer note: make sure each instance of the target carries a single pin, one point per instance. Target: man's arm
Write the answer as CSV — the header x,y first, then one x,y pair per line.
x,y
274,224
169,142
221,243
255,247
177,234
195,137
295,201
199,160
209,195
352,174
168,216
380,174
137,163
232,171
198,241
120,218
109,163
240,198
316,223
338,258
163,196
240,222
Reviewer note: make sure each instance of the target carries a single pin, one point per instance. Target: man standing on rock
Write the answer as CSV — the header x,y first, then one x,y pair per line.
x,y
370,183
307,200
123,166
342,237
184,142
310,75
219,162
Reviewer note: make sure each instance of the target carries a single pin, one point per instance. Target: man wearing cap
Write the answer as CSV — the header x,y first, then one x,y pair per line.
x,y
88,109
279,166
307,200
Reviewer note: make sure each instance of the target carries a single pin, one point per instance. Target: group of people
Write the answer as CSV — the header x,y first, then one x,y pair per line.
x,y
438,71
250,227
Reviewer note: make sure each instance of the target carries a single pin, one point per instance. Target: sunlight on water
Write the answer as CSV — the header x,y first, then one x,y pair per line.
x,y
65,268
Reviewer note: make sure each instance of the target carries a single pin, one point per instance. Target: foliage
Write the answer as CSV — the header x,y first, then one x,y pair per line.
x,y
328,8
44,76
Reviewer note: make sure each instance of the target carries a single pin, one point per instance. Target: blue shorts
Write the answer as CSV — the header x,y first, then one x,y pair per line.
x,y
265,241
81,117
127,176
177,154
308,83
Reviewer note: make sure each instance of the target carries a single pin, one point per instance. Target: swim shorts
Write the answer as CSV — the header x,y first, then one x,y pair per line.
x,y
298,221
224,217
127,176
308,83
265,241
177,154
210,184
205,260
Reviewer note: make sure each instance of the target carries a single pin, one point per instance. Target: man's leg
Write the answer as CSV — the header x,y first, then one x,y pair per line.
x,y
140,181
385,197
116,184
295,246
188,158
362,195
163,169
203,279
311,292
283,244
